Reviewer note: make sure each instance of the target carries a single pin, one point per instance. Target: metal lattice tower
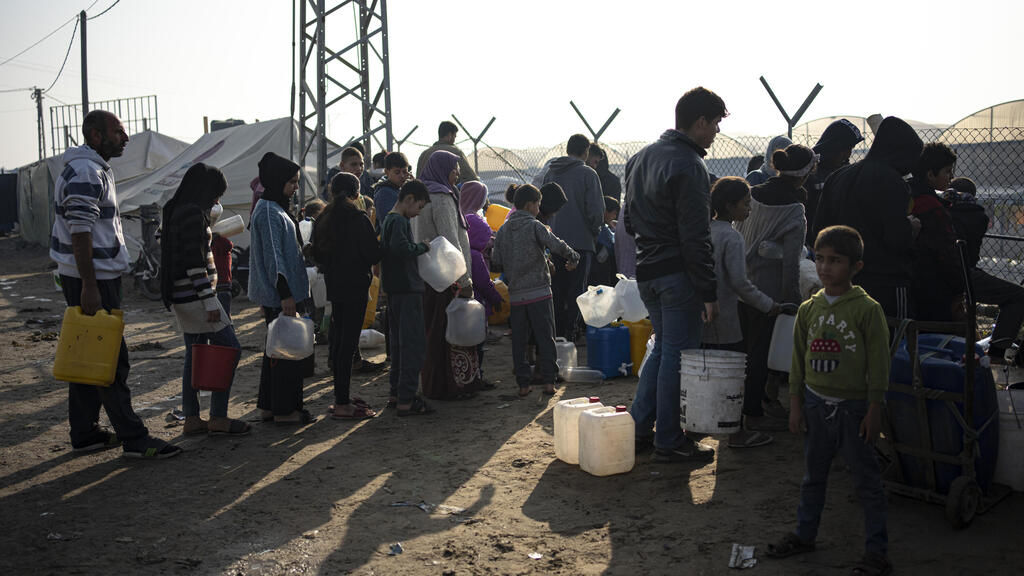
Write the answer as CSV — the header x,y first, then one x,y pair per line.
x,y
343,77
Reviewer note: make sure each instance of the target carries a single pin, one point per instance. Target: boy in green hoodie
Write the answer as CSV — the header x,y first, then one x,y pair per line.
x,y
837,384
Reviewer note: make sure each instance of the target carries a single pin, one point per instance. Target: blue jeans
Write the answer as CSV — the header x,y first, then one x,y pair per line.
x,y
833,428
674,308
190,397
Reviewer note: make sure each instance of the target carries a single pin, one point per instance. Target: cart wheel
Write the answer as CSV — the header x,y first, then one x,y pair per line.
x,y
962,502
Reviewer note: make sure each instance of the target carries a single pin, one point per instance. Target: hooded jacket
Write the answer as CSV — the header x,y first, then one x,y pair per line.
x,y
774,236
385,196
85,200
872,197
483,287
669,212
519,251
345,247
579,221
841,350
766,171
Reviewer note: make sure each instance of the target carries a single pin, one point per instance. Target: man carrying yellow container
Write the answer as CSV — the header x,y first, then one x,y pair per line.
x,y
88,246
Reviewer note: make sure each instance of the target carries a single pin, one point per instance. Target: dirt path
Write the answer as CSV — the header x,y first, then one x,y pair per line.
x,y
321,499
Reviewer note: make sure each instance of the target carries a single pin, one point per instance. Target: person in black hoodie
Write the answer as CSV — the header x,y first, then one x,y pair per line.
x,y
871,197
834,148
345,248
970,222
938,274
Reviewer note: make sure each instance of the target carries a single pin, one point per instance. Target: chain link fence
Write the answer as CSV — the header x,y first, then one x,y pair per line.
x,y
992,157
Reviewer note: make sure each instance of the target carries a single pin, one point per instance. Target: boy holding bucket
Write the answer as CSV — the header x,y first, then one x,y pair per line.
x,y
837,384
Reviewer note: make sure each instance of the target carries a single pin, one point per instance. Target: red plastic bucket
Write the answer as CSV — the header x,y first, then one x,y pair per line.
x,y
213,367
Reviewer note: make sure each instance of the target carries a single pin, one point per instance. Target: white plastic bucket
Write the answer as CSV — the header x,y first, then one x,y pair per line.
x,y
1010,464
566,419
565,356
780,351
442,265
229,226
599,306
467,322
607,441
628,294
711,390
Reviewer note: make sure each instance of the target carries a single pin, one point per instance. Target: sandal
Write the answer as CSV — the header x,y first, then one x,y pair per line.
x,y
525,391
150,448
354,401
304,418
392,402
235,428
872,565
417,408
789,545
549,390
750,440
195,430
358,413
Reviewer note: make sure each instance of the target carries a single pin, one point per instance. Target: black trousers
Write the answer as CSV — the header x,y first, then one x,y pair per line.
x,y
84,400
280,380
566,285
1008,296
757,333
346,323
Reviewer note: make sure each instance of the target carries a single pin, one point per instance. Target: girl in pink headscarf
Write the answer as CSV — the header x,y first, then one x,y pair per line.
x,y
480,236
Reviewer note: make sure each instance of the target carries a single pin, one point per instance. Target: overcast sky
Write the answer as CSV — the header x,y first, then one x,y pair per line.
x,y
523,61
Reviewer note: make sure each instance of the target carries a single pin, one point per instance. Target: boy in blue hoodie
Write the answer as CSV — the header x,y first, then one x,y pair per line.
x,y
837,384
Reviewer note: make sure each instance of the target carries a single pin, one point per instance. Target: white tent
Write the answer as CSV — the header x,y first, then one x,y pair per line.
x,y
145,152
236,151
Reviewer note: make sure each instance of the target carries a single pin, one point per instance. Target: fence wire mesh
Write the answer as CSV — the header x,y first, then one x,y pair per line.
x,y
992,157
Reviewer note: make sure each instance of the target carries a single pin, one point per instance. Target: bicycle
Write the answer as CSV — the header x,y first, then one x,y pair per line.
x,y
146,267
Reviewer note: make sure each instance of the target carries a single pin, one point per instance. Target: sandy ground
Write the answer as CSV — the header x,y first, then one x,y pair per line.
x,y
320,499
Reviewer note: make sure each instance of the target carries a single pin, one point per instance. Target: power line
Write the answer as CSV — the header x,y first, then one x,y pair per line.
x,y
104,12
59,28
16,90
66,54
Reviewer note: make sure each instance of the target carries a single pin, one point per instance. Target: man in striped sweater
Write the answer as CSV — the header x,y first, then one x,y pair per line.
x,y
88,246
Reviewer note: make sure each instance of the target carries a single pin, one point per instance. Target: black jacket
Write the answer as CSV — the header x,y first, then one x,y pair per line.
x,y
872,197
970,222
345,248
667,192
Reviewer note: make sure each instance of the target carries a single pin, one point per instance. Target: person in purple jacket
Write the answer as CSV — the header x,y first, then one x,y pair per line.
x,y
471,201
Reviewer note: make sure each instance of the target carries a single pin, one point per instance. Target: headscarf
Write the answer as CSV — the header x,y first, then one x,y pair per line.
x,y
275,172
776,143
472,197
435,177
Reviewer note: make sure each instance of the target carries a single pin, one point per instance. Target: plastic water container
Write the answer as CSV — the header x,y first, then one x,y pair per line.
x,y
565,355
501,316
442,265
639,336
941,369
599,306
317,287
229,226
306,231
628,293
583,375
290,338
467,324
1010,464
213,367
608,350
495,216
567,417
371,303
370,339
607,441
88,347
780,351
711,390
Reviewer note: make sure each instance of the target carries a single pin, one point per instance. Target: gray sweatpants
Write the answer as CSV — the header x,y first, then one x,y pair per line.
x,y
538,318
408,344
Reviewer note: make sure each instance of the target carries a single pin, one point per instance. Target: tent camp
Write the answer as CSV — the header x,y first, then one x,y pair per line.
x,y
237,152
145,152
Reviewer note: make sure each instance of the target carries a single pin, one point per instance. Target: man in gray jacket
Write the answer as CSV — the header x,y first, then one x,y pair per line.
x,y
667,192
578,224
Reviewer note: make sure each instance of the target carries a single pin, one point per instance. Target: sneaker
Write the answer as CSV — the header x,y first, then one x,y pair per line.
x,y
102,439
766,423
775,409
368,367
688,451
150,448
